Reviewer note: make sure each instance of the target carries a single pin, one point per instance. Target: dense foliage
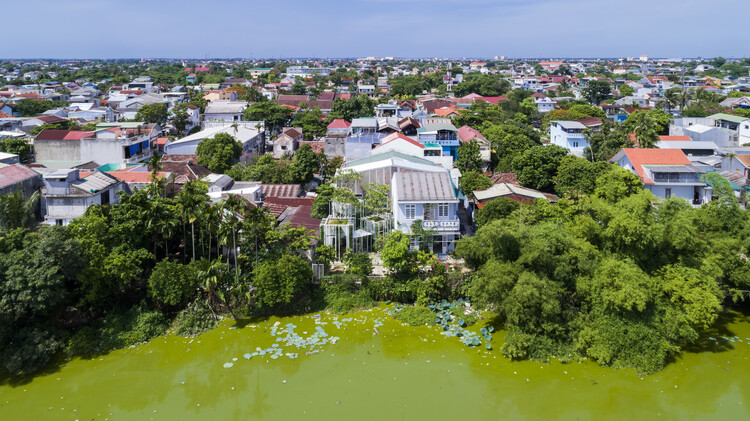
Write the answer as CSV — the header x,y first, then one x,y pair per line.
x,y
615,275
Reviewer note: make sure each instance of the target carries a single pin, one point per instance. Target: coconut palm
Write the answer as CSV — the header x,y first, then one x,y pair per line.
x,y
17,212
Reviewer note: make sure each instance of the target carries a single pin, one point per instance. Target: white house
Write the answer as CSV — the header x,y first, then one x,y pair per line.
x,y
666,173
569,135
224,111
249,133
544,103
431,198
66,196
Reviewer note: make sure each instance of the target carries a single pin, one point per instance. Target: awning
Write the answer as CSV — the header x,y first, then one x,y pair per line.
x,y
361,233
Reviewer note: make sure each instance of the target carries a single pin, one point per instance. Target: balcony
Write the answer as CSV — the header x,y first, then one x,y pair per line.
x,y
448,225
675,178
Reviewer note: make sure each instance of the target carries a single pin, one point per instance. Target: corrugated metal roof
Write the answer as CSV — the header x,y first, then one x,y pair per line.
x,y
14,174
570,125
281,190
424,187
95,182
728,117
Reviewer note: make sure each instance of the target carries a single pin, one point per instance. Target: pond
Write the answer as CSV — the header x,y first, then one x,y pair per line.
x,y
365,365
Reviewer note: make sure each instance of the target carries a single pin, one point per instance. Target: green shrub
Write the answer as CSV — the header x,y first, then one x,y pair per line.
x,y
358,263
195,319
172,283
416,316
342,294
458,313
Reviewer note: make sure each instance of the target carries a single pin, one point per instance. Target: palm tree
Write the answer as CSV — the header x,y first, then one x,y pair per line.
x,y
671,99
15,212
192,202
684,98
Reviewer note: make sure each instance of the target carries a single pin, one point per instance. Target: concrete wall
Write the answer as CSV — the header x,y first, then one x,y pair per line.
x,y
57,150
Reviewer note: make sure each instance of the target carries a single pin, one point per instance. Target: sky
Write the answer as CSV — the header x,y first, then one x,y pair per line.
x,y
360,28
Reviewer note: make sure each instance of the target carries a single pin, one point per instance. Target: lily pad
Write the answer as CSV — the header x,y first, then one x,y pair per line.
x,y
228,365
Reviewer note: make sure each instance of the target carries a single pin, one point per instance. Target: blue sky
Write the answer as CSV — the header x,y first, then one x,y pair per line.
x,y
402,28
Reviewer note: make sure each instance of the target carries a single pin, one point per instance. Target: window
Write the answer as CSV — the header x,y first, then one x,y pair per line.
x,y
58,221
410,211
442,210
667,193
575,144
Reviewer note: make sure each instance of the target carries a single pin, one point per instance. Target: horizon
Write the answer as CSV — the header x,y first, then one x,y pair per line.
x,y
409,28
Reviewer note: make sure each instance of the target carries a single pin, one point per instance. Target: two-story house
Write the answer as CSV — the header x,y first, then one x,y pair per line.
x,y
666,173
442,132
543,103
224,111
66,196
569,135
429,197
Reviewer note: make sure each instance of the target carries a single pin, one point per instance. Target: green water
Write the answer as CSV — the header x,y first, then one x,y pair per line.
x,y
400,372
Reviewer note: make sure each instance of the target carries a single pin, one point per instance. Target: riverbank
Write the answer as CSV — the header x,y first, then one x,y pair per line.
x,y
398,372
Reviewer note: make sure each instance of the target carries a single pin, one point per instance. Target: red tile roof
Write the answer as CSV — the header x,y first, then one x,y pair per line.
x,y
504,177
640,157
467,133
50,119
317,147
675,138
591,121
140,177
62,135
339,124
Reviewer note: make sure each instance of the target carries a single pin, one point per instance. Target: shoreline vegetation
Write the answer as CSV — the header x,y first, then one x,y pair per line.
x,y
609,273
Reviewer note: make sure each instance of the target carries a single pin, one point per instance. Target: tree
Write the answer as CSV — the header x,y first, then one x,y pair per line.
x,y
153,113
180,117
396,255
495,209
280,282
656,120
219,152
32,107
644,126
322,201
537,167
469,157
626,90
485,85
361,106
20,147
330,166
16,211
311,122
508,141
305,163
358,263
274,116
375,198
473,180
172,283
597,91
576,174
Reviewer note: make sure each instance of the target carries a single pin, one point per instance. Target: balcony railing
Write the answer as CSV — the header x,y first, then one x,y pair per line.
x,y
675,178
450,225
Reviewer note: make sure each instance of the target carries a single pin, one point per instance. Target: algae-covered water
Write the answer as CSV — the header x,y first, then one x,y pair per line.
x,y
367,366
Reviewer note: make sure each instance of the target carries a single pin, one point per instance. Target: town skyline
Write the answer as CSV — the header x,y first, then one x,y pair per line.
x,y
478,28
